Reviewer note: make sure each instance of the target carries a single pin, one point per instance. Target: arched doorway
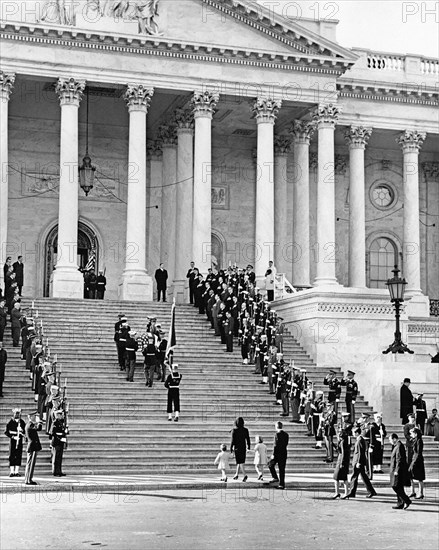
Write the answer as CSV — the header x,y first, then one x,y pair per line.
x,y
217,248
88,252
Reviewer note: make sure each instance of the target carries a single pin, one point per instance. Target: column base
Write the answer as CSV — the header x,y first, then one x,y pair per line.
x,y
180,292
67,282
417,305
325,281
136,285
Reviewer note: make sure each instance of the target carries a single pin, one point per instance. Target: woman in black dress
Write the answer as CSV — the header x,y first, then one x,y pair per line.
x,y
240,444
342,467
416,467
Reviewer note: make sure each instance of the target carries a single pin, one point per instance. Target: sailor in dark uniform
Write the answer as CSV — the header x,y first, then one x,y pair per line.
x,y
351,393
173,385
15,430
58,438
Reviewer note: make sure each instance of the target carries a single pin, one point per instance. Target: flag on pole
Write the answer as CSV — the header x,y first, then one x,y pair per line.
x,y
171,337
91,264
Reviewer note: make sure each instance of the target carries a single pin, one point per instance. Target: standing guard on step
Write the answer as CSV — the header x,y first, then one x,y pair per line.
x,y
334,389
351,393
131,347
173,385
15,430
58,439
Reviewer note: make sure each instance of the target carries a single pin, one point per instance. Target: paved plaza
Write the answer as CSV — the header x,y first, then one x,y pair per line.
x,y
234,517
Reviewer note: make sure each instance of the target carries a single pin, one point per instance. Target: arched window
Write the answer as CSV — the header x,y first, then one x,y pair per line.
x,y
383,255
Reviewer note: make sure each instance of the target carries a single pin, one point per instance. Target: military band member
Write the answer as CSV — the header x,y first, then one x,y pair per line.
x,y
32,428
377,438
351,393
173,385
15,430
420,411
58,439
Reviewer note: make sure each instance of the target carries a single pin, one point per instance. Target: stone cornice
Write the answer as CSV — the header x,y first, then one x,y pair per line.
x,y
279,28
380,91
71,37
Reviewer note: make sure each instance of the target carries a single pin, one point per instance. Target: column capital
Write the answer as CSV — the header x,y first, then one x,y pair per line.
x,y
326,116
266,109
184,119
282,145
70,91
154,149
6,85
411,141
204,102
302,131
167,135
138,97
357,137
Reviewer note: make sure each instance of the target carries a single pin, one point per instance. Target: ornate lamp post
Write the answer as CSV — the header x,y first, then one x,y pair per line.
x,y
396,287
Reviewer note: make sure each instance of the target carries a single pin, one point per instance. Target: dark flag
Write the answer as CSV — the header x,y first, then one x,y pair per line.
x,y
171,337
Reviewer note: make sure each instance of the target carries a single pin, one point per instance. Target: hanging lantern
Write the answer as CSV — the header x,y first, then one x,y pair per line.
x,y
86,174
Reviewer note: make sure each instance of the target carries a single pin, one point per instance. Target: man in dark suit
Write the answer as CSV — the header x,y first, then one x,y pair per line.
x,y
3,359
399,474
279,455
3,317
406,401
33,426
161,277
19,273
359,460
192,274
229,327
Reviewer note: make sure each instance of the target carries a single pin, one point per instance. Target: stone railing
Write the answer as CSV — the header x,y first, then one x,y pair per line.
x,y
434,308
386,62
430,66
283,287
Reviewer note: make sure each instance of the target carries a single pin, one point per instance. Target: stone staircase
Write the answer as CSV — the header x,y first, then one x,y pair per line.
x,y
118,427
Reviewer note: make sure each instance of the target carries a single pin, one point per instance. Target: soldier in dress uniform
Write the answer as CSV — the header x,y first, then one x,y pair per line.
x,y
346,424
318,408
150,362
58,439
421,411
32,428
329,422
117,333
101,286
309,399
351,393
377,438
161,355
365,425
285,389
131,347
296,390
173,385
123,337
334,389
15,430
229,325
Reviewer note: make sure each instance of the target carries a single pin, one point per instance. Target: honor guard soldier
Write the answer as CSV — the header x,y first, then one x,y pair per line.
x,y
351,393
15,430
377,438
101,286
150,359
32,428
308,411
131,347
329,422
346,424
173,385
318,408
122,340
58,439
334,389
296,390
285,389
117,331
365,425
421,411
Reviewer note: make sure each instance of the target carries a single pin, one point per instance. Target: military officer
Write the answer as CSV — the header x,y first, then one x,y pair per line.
x,y
58,439
15,430
173,385
334,388
32,428
318,407
351,393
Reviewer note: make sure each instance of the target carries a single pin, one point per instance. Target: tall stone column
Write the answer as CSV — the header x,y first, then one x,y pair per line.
x,y
302,132
357,138
136,283
203,103
154,153
282,146
185,178
67,281
411,142
6,85
326,117
265,111
167,136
